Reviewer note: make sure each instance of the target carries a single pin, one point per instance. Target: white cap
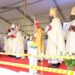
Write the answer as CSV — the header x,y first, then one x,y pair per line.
x,y
73,11
12,26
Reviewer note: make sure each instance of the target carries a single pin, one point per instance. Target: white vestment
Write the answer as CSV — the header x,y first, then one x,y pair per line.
x,y
18,43
55,42
70,44
14,45
8,43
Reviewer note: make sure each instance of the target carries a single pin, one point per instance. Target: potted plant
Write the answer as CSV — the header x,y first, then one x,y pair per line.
x,y
70,63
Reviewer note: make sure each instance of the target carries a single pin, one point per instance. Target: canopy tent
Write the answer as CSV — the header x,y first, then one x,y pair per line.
x,y
23,11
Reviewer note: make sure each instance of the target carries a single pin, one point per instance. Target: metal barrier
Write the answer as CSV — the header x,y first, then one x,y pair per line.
x,y
42,56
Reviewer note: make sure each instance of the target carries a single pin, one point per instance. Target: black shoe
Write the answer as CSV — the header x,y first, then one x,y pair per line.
x,y
11,56
39,60
55,65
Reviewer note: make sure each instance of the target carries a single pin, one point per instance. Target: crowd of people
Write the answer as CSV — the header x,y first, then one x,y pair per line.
x,y
56,46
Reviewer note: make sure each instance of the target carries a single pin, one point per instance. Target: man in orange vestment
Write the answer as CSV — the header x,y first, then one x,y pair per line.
x,y
39,37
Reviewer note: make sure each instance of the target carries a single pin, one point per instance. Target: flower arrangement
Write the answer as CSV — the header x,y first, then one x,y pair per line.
x,y
70,63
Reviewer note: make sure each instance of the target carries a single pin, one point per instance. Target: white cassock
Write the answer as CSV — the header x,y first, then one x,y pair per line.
x,y
18,44
70,44
5,43
55,42
8,43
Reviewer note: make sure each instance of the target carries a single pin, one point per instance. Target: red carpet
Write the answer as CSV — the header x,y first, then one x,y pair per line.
x,y
25,61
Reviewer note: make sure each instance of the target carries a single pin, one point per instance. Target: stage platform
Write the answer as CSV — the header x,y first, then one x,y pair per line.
x,y
22,71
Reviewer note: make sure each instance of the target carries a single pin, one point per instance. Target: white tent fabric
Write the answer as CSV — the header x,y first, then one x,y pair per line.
x,y
38,8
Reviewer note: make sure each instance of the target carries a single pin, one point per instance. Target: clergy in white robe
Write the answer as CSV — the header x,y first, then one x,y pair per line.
x,y
8,40
70,44
18,43
55,42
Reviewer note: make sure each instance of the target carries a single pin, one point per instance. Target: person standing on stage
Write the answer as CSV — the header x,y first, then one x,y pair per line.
x,y
18,42
70,42
55,42
8,39
36,46
39,37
